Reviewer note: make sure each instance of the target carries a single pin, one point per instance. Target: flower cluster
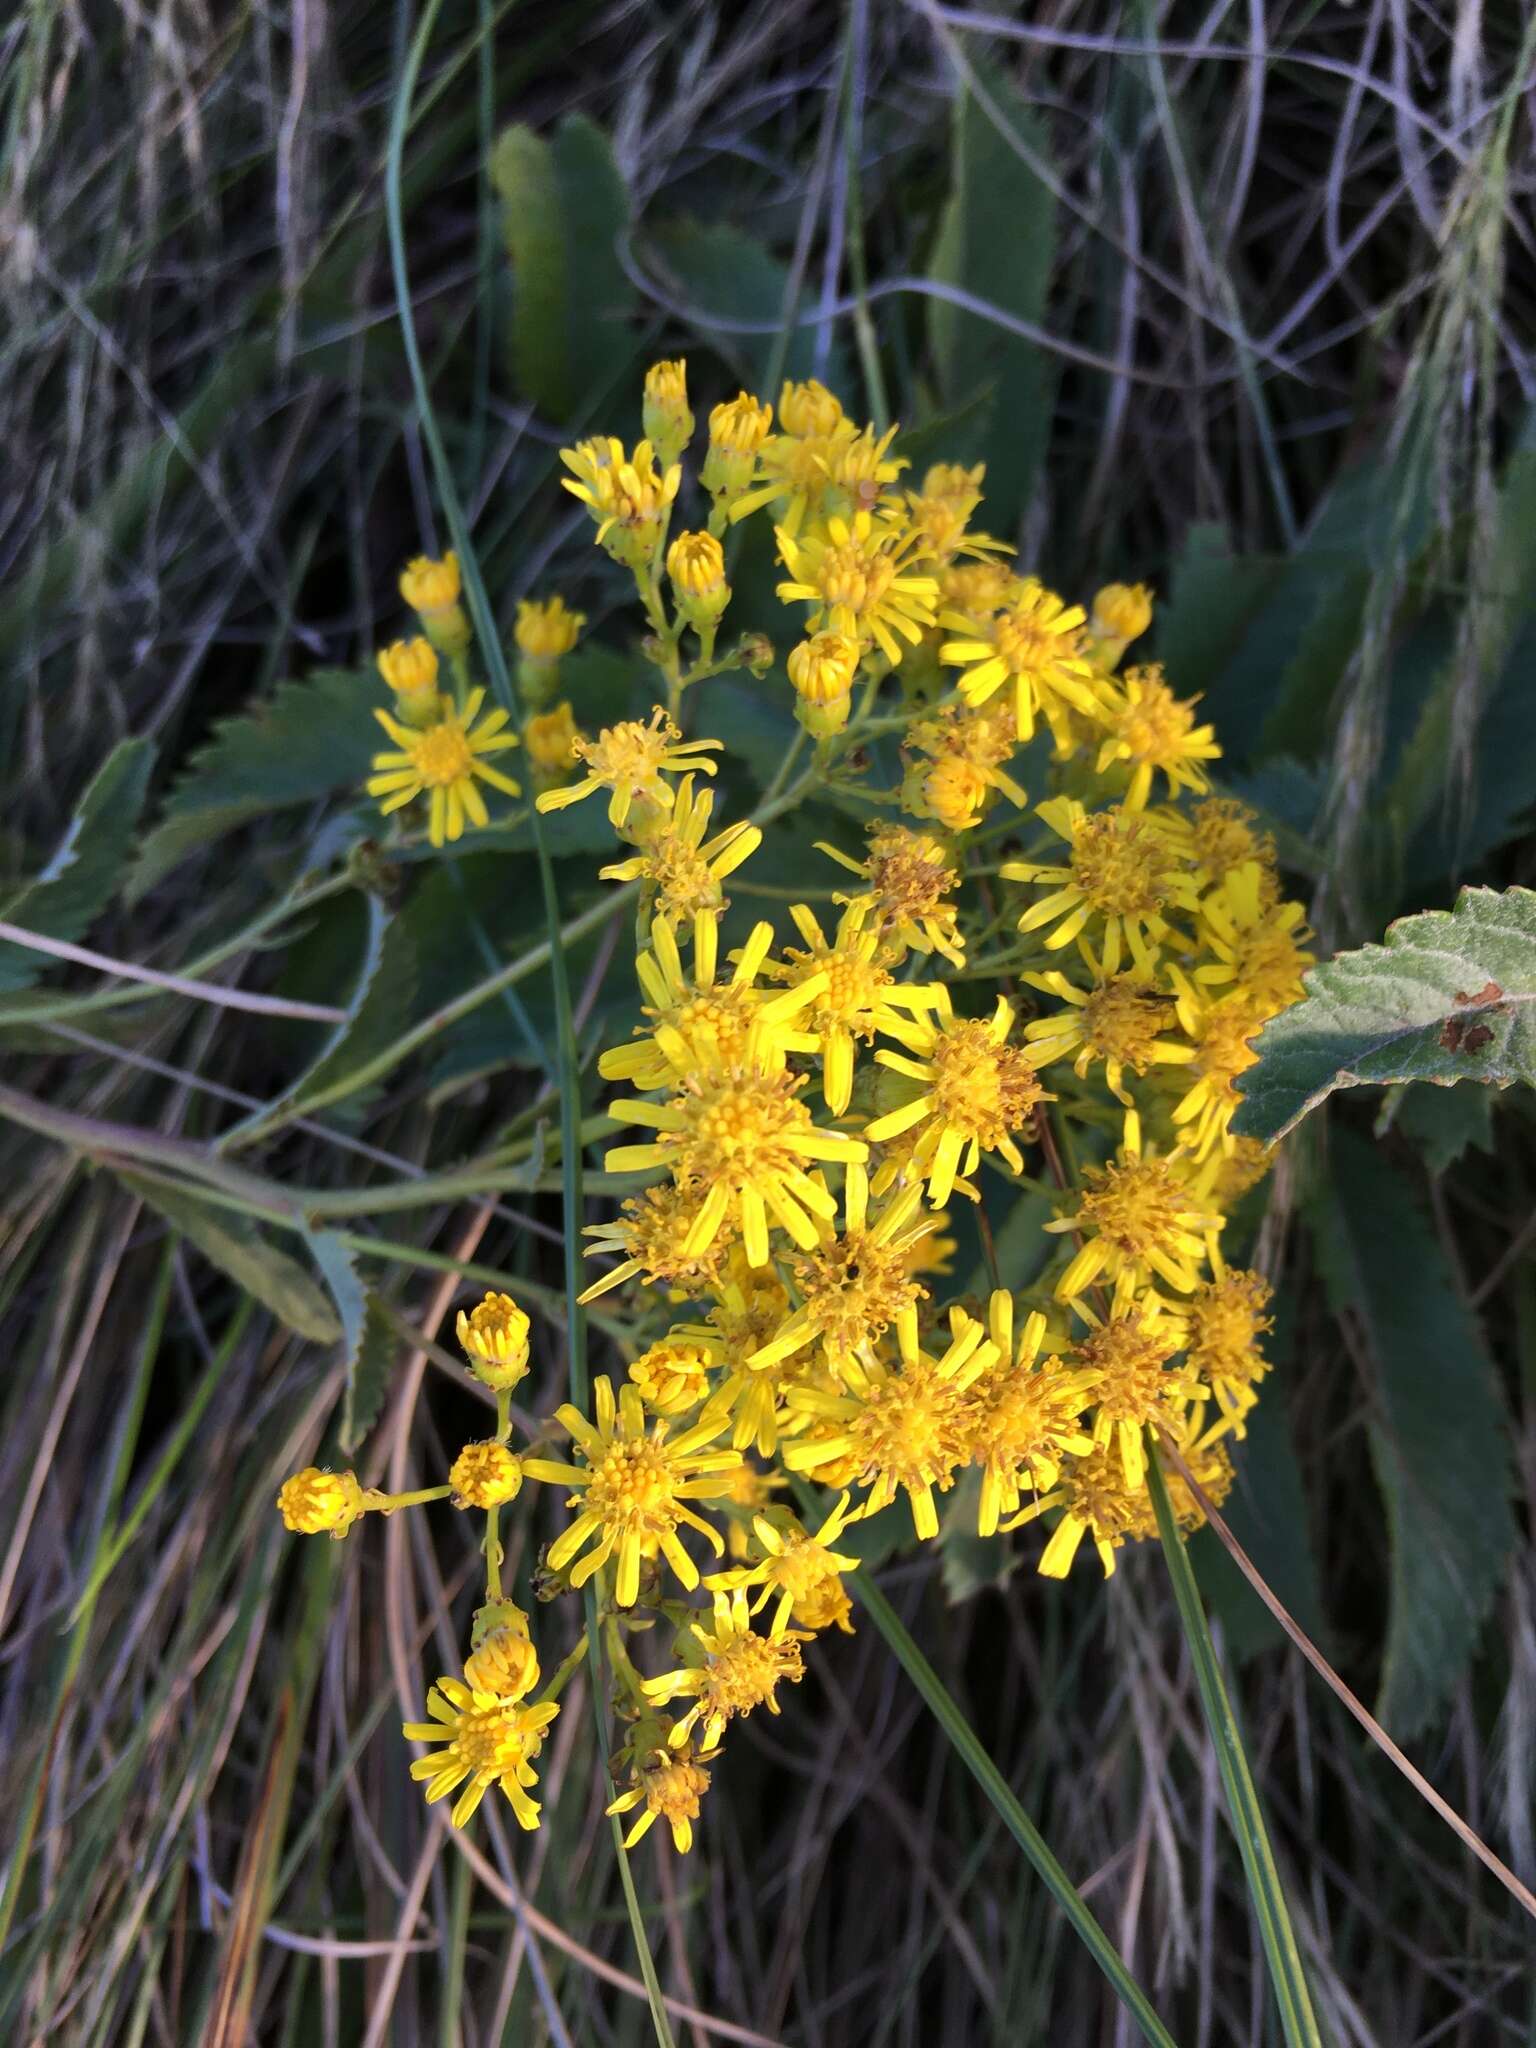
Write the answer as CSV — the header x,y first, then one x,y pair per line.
x,y
1043,969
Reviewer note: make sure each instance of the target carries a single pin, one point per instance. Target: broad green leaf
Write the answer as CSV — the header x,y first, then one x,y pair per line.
x,y
87,869
1441,1122
1439,1438
366,1333
1212,597
310,739
997,242
1450,996
726,275
564,207
237,1248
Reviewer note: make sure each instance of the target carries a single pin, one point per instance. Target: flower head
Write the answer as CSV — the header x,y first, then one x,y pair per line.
x,y
696,565
485,1739
673,1374
547,628
632,1490
445,761
855,575
1121,613
550,737
1122,873
977,1093
1138,1219
737,429
822,669
316,1503
670,1784
1133,1386
431,589
799,1569
485,1475
410,669
1154,731
650,1235
1031,645
1226,1317
909,879
632,760
856,993
665,417
1121,1021
1023,1415
494,1335
627,495
738,1670
682,872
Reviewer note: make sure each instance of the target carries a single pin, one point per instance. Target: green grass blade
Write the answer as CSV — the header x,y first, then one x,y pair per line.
x,y
488,643
1287,1976
947,1713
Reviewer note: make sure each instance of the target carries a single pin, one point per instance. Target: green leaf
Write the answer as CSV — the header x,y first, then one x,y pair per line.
x,y
1450,996
1213,596
1439,1443
84,873
311,738
1441,1122
366,1332
997,242
727,275
564,206
237,1248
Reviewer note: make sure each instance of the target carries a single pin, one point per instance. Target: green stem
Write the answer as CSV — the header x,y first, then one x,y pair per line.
x,y
1287,1977
992,1782
563,1672
493,1554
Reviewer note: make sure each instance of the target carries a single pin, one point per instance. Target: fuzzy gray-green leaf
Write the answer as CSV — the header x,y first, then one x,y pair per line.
x,y
1450,996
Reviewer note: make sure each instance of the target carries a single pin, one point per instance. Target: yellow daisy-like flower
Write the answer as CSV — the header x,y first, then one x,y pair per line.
x,y
1119,1021
1223,1035
628,496
1257,945
700,1021
905,1429
1225,1318
648,1237
504,1661
797,1567
494,1335
1024,1415
746,1138
1222,837
682,872
1121,874
856,993
739,1670
942,509
1156,733
855,574
670,1784
909,878
632,760
855,1285
1031,645
410,669
809,411
1139,1218
750,1304
862,465
632,1492
445,762
1097,1501
487,1740
1127,1357
954,766
316,1503
977,1094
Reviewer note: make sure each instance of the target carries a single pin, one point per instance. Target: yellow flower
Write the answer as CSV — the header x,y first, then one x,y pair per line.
x,y
665,418
1031,645
1118,1021
1024,1415
1097,1501
978,1093
1222,836
904,1429
700,1021
1138,1218
854,574
672,1374
856,994
494,1335
954,766
1223,1034
822,669
632,1491
1257,945
739,1670
682,872
940,512
1127,1358
696,565
909,876
809,411
485,1475
1225,1320
744,1137
547,628
648,1235
1154,730
504,1661
737,430
550,737
410,669
627,495
671,1784
855,1285
798,1567
444,761
316,1503
632,760
487,1740
431,589
1121,613
1121,874
861,465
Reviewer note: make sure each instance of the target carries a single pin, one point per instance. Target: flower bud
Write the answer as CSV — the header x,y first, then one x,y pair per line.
x,y
495,1337
505,1663
737,429
696,565
550,737
666,421
1122,612
485,1475
431,589
316,1503
809,410
410,669
545,631
822,670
